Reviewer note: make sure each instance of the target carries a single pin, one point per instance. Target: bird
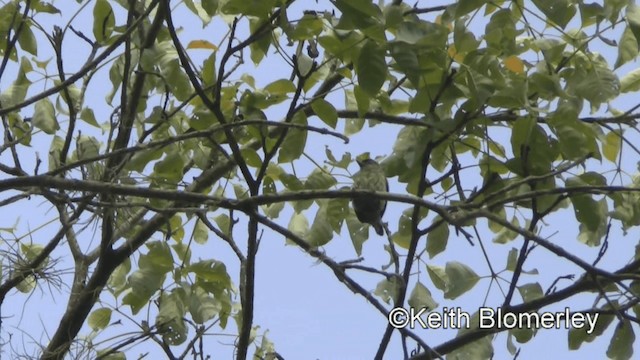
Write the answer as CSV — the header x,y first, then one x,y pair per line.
x,y
369,209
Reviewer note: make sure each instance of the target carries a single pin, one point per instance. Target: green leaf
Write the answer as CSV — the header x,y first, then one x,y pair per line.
x,y
72,101
500,32
27,40
118,279
200,232
461,279
210,271
170,318
402,237
27,285
209,70
588,211
281,86
142,158
113,355
411,32
547,86
406,60
210,6
363,7
299,225
420,102
44,117
305,64
591,178
271,210
362,100
512,259
532,147
240,191
558,11
176,79
578,336
21,129
504,234
627,48
115,76
144,283
291,182
295,141
393,16
633,20
54,152
87,147
464,40
363,15
358,232
31,251
223,223
99,319
464,7
630,82
438,276
320,179
387,289
308,27
407,148
8,12
530,292
87,116
344,161
251,157
45,8
437,239
103,20
321,231
371,68
337,212
598,85
522,334
171,167
325,111
202,306
352,126
621,345
420,298
575,138
197,9
258,8
158,258
511,347
612,145
260,46
479,349
592,237
342,47
591,13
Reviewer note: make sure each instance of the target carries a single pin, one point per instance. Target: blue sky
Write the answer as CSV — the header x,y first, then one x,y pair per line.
x,y
308,313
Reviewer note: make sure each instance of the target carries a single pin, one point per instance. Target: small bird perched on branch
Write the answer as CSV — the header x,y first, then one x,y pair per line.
x,y
370,209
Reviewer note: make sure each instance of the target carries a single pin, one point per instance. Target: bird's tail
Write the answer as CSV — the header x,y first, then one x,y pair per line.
x,y
378,227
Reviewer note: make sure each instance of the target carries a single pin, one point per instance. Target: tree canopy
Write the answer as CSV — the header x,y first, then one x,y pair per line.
x,y
153,149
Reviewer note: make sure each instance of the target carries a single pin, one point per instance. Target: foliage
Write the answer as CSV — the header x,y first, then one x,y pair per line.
x,y
508,120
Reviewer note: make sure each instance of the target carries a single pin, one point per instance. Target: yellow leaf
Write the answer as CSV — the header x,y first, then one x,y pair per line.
x,y
454,54
447,24
514,64
611,145
201,44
